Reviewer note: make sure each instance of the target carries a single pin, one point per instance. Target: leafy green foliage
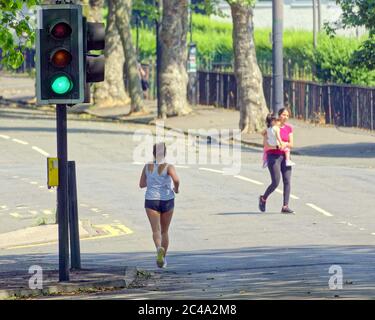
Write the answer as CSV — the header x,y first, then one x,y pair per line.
x,y
358,13
16,32
214,42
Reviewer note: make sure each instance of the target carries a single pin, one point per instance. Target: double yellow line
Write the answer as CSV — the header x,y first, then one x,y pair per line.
x,y
108,230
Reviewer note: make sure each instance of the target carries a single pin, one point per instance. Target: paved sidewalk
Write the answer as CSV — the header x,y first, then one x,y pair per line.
x,y
23,281
309,139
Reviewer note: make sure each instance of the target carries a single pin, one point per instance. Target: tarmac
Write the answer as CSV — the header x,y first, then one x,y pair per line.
x,y
310,139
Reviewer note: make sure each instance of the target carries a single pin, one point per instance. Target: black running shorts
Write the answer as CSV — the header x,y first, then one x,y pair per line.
x,y
160,205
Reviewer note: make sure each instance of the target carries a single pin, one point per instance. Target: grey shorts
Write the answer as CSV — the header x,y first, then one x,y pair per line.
x,y
160,205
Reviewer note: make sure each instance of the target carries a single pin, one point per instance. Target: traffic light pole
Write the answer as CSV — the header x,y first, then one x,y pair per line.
x,y
62,192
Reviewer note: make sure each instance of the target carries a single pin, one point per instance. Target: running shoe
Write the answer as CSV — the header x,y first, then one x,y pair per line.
x,y
290,163
262,204
165,263
286,210
160,257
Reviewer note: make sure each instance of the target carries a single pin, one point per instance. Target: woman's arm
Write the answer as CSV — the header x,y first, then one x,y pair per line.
x,y
290,143
143,180
278,138
176,181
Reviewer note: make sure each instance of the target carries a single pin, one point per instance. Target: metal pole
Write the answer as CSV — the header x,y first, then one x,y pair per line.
x,y
190,22
62,192
314,22
158,59
319,15
277,55
75,251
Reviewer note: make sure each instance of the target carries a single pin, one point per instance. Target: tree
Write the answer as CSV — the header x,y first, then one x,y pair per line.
x,y
123,14
358,13
111,92
16,32
173,75
253,108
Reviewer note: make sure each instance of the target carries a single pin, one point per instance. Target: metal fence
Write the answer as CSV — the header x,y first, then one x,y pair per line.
x,y
342,105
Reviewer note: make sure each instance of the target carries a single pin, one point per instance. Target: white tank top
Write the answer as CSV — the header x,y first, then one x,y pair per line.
x,y
159,187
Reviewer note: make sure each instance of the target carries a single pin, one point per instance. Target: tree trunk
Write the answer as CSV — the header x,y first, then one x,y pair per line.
x,y
250,99
96,10
173,75
123,14
111,92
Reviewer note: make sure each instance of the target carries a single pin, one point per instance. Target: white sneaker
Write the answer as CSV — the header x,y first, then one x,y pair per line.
x,y
289,163
165,263
160,257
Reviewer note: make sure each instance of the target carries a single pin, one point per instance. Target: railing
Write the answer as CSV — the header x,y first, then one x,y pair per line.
x,y
342,105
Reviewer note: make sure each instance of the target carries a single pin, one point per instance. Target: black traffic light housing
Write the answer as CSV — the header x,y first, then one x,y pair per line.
x,y
94,39
60,63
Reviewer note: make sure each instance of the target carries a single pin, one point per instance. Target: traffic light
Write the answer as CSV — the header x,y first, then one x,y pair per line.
x,y
60,60
93,39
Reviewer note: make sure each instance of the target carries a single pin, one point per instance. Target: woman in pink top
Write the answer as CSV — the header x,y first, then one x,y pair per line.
x,y
276,162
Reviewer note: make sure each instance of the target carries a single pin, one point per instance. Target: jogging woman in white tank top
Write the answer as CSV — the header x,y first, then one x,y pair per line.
x,y
158,177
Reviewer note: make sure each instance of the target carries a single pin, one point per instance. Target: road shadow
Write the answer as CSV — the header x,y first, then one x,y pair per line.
x,y
353,150
245,213
241,273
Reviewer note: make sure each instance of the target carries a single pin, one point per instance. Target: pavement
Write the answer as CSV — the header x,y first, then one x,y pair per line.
x,y
311,140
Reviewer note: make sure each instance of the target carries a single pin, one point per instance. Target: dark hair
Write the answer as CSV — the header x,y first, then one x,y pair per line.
x,y
270,117
158,148
282,110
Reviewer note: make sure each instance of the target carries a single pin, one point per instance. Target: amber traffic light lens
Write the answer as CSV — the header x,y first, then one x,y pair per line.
x,y
61,30
61,58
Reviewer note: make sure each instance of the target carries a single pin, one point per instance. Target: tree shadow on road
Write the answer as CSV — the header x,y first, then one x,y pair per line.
x,y
239,273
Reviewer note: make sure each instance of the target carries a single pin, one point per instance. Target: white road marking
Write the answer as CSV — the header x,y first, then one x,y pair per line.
x,y
182,167
83,205
15,177
211,170
41,151
42,187
279,191
20,141
47,212
15,214
4,137
362,229
95,209
373,233
138,163
249,180
319,209
33,182
294,197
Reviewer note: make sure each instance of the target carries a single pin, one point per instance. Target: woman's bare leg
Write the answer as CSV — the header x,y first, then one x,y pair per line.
x,y
165,221
154,217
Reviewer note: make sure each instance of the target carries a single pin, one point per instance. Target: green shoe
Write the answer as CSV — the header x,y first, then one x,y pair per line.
x,y
160,257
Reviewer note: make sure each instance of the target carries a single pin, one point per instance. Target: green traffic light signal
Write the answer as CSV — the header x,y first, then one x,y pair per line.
x,y
61,84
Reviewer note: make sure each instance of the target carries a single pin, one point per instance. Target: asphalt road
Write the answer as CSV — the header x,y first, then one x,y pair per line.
x,y
221,246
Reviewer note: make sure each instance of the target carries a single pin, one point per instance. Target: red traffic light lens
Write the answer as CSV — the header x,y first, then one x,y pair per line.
x,y
61,30
61,58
